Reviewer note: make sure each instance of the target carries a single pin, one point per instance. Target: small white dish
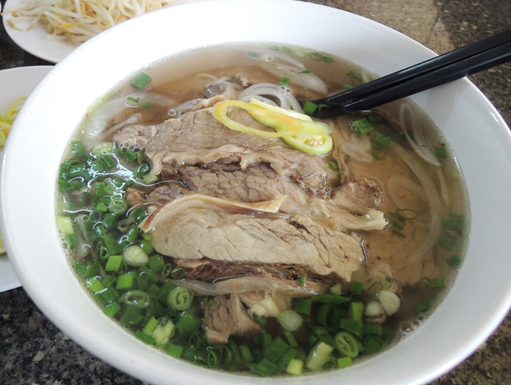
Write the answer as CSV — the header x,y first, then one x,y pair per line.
x,y
20,82
35,40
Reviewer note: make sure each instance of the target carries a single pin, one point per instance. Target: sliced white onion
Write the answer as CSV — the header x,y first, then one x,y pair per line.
x,y
396,182
274,54
295,74
418,143
356,152
433,199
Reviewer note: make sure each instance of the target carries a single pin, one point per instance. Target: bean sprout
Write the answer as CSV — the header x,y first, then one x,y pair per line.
x,y
79,20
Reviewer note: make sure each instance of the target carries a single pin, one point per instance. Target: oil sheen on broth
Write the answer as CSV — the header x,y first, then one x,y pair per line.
x,y
229,247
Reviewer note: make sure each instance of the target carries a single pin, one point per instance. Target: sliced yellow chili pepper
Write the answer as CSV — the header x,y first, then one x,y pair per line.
x,y
297,130
283,124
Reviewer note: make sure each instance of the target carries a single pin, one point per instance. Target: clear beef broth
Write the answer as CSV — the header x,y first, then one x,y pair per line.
x,y
243,253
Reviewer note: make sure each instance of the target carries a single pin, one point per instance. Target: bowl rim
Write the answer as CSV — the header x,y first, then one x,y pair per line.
x,y
49,294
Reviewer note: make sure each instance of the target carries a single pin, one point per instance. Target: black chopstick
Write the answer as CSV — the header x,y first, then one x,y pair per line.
x,y
442,69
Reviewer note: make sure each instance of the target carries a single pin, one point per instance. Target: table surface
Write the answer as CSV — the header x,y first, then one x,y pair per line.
x,y
34,351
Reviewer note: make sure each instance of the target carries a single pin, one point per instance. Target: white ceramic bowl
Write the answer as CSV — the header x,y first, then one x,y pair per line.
x,y
473,308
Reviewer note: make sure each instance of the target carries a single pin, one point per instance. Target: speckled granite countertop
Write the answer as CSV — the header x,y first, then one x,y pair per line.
x,y
34,351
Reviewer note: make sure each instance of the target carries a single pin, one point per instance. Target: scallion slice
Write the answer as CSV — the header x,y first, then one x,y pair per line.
x,y
141,81
290,320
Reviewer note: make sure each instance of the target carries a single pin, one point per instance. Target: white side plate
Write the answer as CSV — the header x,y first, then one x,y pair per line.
x,y
17,82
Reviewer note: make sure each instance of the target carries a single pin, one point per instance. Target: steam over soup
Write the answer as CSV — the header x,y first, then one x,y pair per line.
x,y
206,212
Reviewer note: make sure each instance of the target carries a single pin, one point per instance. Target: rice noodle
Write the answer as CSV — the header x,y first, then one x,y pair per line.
x,y
418,142
79,20
266,91
357,152
433,199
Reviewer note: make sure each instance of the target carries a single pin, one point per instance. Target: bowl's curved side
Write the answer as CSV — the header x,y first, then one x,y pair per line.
x,y
53,111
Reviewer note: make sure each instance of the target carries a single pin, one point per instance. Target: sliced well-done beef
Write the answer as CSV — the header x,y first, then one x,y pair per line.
x,y
191,227
209,270
225,316
198,139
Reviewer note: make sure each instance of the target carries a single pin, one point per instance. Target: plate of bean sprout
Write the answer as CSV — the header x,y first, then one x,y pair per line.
x,y
51,29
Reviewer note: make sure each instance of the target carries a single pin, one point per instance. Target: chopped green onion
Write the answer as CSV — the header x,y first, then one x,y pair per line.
x,y
136,298
331,299
253,54
295,367
309,108
373,329
290,339
421,306
352,326
118,205
94,284
133,99
344,362
436,283
125,281
441,152
333,165
328,317
372,344
180,298
303,306
318,356
145,106
113,263
381,141
135,256
246,355
454,222
356,288
448,241
156,263
356,311
275,349
336,289
178,272
131,316
290,320
189,323
144,337
150,326
286,357
175,350
112,309
374,118
455,260
141,81
264,367
284,82
235,351
306,72
361,126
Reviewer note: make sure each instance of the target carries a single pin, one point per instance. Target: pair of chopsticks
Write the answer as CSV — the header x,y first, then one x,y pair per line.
x,y
431,73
